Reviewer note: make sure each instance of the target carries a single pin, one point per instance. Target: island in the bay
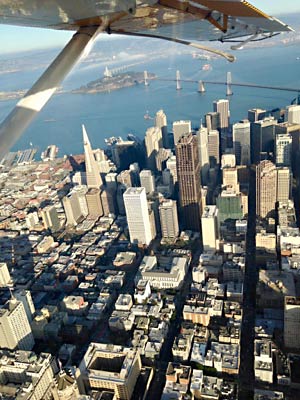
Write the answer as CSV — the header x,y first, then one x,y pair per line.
x,y
115,82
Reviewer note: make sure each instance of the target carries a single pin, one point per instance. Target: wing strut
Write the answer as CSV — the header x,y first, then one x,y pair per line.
x,y
35,99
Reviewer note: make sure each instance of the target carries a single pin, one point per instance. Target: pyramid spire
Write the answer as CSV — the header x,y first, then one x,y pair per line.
x,y
93,178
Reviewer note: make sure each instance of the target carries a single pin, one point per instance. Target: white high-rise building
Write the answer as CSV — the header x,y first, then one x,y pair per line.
x,y
72,208
153,142
161,122
15,331
50,218
241,142
181,128
169,219
5,278
25,297
292,114
203,153
222,107
210,228
283,184
81,191
93,178
136,206
172,166
283,150
147,180
32,219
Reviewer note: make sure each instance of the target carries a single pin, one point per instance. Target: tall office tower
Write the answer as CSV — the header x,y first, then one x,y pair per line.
x,y
161,122
119,198
212,121
214,148
231,205
153,142
283,150
79,178
94,202
108,201
169,219
228,160
266,188
5,278
188,173
222,107
292,114
72,208
125,178
137,214
80,192
25,297
161,158
93,178
32,219
134,169
15,331
230,178
262,138
256,114
181,128
111,181
210,228
50,218
172,166
241,142
283,184
202,135
147,180
291,322
99,155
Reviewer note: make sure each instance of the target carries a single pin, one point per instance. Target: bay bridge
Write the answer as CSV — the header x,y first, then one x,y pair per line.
x,y
228,83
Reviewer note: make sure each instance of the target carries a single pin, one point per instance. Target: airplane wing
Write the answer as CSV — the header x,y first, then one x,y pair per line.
x,y
182,21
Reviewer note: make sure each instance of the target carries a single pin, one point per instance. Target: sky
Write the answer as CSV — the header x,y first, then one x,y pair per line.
x,y
15,39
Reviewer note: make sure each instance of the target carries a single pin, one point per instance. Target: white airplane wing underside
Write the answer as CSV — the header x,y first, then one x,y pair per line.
x,y
186,22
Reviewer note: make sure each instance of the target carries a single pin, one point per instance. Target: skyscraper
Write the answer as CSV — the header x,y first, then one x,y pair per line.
x,y
168,219
15,331
188,173
50,218
94,204
214,148
210,228
262,138
283,184
161,122
25,297
256,114
153,142
72,208
212,121
292,114
241,142
147,180
283,150
222,107
266,188
181,128
202,135
93,178
137,214
5,278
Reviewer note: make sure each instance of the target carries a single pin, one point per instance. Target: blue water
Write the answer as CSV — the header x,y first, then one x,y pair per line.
x,y
121,112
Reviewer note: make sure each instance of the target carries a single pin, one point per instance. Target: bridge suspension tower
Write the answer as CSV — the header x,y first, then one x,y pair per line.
x,y
178,84
229,91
